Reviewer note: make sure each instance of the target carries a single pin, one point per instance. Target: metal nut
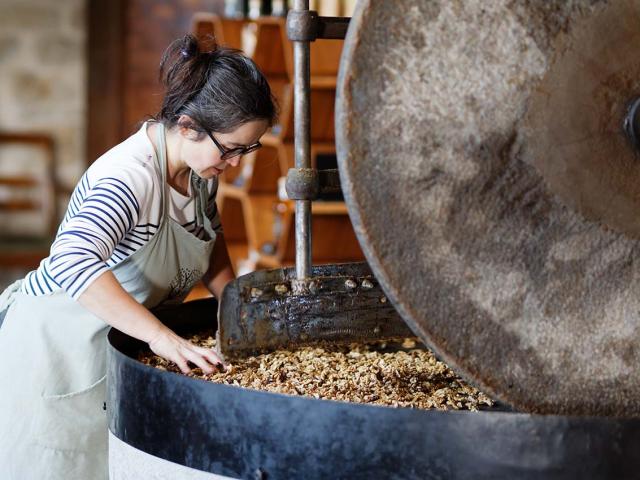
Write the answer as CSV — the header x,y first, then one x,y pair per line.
x,y
366,284
256,293
350,284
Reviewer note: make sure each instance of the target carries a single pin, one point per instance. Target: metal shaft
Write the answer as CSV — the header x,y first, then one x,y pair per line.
x,y
302,138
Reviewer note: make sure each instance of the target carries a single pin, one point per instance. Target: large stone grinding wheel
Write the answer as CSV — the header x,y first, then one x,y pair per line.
x,y
496,196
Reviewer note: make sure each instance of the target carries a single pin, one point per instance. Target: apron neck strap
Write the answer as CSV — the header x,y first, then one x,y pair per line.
x,y
162,160
199,188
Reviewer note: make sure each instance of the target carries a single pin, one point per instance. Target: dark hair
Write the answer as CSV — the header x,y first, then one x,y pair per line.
x,y
220,89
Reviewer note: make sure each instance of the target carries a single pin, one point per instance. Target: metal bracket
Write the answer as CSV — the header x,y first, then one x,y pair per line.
x,y
307,26
302,184
329,181
308,183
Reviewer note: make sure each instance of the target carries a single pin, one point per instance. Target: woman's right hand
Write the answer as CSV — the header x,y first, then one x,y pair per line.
x,y
106,299
174,348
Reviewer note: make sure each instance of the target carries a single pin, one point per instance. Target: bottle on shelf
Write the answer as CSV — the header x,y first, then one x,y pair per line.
x,y
328,8
236,8
348,7
259,8
231,9
279,8
266,7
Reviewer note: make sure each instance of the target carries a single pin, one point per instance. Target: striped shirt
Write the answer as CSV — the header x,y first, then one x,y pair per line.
x,y
114,210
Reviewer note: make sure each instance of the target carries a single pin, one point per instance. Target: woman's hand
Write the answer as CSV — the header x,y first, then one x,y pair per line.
x,y
174,348
106,299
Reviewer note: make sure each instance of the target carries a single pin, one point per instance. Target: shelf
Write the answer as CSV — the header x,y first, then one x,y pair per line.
x,y
286,154
251,212
323,82
232,216
258,172
333,238
273,53
325,57
277,58
329,208
211,29
252,216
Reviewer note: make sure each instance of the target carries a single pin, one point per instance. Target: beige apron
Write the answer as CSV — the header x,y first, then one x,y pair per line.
x,y
53,354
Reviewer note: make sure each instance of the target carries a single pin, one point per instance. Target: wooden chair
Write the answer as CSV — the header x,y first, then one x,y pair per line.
x,y
24,195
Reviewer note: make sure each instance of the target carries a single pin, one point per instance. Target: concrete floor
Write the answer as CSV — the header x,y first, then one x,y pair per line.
x,y
128,463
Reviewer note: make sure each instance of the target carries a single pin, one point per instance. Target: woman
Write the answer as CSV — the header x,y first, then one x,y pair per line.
x,y
141,228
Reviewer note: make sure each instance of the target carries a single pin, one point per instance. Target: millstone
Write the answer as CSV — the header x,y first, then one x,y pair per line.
x,y
495,193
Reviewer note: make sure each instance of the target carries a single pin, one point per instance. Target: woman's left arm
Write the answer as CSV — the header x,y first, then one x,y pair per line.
x,y
220,269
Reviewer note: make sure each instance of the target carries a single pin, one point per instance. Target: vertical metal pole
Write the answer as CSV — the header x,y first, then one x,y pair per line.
x,y
302,123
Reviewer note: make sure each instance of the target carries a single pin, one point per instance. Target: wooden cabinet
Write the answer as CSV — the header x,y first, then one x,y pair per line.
x,y
210,28
258,222
333,239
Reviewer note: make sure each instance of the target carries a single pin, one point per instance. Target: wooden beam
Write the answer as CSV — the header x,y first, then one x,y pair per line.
x,y
18,181
105,86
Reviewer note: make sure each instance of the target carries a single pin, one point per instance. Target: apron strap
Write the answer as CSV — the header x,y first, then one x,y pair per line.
x,y
199,187
7,298
162,160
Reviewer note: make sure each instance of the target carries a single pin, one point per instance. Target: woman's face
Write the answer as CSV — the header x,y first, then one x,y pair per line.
x,y
204,157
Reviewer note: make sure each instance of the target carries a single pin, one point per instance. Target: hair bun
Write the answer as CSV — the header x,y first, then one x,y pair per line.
x,y
190,47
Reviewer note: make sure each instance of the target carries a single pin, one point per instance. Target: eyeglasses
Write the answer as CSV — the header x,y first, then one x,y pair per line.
x,y
227,153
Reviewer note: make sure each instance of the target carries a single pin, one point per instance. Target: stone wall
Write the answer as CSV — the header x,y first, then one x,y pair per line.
x,y
43,87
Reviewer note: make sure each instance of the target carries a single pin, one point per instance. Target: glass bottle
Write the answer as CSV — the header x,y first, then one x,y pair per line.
x,y
265,7
279,8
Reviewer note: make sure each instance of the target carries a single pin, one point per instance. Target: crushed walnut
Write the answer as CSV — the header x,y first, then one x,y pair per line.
x,y
399,375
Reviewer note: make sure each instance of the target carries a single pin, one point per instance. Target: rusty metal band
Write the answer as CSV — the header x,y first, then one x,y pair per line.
x,y
307,26
309,183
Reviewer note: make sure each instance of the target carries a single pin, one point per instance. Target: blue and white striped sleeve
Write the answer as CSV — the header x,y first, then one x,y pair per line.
x,y
87,239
